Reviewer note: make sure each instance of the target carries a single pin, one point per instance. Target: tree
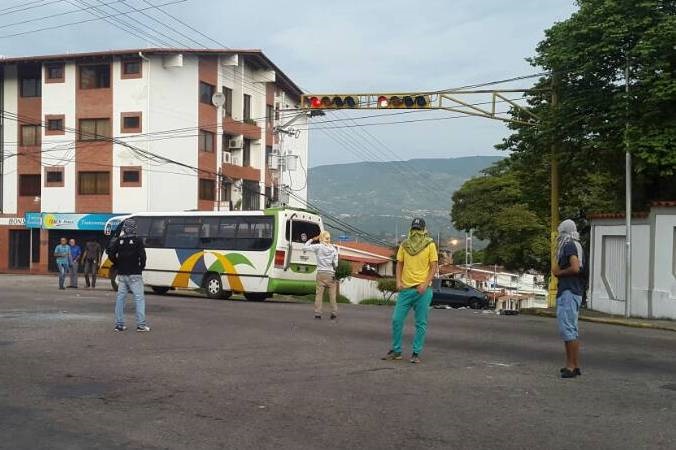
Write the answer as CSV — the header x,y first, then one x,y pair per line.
x,y
387,287
586,56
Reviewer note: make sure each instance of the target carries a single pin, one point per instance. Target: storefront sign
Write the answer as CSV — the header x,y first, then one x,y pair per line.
x,y
12,221
60,221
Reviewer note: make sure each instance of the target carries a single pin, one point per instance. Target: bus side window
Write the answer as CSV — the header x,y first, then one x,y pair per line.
x,y
142,226
209,232
182,235
156,232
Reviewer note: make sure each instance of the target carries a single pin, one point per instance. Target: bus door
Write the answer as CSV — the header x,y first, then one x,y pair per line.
x,y
299,228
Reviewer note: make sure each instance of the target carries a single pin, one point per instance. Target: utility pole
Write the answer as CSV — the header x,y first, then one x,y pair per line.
x,y
554,200
627,213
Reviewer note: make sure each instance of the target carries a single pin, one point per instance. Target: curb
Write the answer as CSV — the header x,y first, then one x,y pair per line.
x,y
607,321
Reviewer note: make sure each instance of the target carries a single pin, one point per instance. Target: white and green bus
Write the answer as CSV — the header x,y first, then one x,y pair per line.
x,y
254,253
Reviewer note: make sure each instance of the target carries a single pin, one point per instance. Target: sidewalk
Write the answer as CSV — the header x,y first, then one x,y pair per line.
x,y
599,317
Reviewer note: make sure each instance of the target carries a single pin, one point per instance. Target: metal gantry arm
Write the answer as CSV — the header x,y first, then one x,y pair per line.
x,y
457,101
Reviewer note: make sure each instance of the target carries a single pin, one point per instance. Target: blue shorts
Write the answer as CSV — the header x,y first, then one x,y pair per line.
x,y
567,311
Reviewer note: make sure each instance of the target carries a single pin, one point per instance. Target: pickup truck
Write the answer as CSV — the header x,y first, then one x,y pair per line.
x,y
447,291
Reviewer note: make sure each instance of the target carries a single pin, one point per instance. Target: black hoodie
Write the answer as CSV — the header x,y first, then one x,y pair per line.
x,y
128,255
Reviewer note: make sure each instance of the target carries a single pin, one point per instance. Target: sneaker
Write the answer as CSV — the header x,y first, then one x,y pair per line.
x,y
392,356
143,328
567,373
333,316
318,316
576,370
119,328
415,358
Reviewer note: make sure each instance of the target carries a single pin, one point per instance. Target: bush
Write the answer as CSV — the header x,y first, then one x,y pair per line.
x,y
376,301
388,287
344,270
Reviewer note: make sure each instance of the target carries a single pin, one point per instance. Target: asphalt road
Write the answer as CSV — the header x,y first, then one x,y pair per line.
x,y
242,375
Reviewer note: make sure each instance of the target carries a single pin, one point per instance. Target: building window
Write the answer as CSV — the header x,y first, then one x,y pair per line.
x,y
55,124
94,129
269,116
277,111
30,80
55,73
131,68
94,183
227,106
54,177
226,194
131,122
130,176
206,189
246,113
206,141
246,153
29,185
95,77
250,195
30,135
206,92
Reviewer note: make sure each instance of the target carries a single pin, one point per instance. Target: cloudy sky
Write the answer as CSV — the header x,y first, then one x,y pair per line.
x,y
344,46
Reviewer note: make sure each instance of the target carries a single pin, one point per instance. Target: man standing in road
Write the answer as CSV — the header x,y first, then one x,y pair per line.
x,y
416,265
91,258
568,269
75,253
128,256
62,254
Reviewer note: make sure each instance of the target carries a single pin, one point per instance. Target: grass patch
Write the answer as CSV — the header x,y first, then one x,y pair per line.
x,y
376,301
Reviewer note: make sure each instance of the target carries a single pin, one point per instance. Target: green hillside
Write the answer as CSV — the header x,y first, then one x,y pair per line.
x,y
381,197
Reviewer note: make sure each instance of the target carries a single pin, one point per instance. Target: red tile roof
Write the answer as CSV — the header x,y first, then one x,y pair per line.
x,y
387,252
635,214
363,259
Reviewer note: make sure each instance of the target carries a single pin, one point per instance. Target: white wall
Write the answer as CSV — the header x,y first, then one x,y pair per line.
x,y
613,268
130,95
358,289
9,179
57,99
664,270
173,105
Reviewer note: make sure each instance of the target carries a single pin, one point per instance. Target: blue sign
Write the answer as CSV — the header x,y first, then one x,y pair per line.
x,y
67,221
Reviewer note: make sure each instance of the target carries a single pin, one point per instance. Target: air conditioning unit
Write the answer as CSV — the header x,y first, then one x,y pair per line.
x,y
227,158
235,160
273,162
237,142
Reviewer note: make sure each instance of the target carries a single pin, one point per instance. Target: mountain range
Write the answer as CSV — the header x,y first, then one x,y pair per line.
x,y
381,198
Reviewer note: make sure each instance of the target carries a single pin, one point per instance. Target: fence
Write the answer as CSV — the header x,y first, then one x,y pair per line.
x,y
358,289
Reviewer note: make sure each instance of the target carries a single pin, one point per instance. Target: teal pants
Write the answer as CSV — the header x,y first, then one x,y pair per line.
x,y
407,299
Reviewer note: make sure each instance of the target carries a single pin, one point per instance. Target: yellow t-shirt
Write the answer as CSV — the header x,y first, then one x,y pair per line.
x,y
416,267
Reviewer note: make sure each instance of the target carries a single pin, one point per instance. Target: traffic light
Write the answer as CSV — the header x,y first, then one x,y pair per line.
x,y
403,101
332,101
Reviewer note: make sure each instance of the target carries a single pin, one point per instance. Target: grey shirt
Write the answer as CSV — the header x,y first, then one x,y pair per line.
x,y
327,256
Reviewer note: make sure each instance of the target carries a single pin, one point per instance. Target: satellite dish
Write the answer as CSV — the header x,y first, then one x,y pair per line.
x,y
218,99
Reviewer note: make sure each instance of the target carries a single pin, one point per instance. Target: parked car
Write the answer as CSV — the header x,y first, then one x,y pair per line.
x,y
452,292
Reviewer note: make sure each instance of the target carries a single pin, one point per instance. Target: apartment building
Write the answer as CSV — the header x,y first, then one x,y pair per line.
x,y
87,136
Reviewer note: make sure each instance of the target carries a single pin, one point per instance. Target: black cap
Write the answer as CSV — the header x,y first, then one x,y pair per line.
x,y
418,224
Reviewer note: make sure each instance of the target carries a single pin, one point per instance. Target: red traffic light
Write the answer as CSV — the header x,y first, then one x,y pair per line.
x,y
383,102
315,102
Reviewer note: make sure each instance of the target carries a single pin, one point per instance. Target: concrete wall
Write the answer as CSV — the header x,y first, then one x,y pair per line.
x,y
9,179
653,282
358,289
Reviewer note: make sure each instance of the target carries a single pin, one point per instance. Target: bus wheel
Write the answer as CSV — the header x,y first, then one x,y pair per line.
x,y
255,296
113,279
213,286
160,290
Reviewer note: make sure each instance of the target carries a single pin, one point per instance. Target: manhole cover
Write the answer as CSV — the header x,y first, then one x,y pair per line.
x,y
670,387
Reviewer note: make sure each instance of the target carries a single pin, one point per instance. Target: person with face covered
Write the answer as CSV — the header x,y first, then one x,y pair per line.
x,y
416,265
128,256
568,269
327,262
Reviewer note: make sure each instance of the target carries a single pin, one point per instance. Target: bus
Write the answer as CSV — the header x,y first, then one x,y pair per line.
x,y
254,253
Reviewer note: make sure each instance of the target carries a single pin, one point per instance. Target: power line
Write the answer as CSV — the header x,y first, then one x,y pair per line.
x,y
164,24
51,16
158,7
26,6
37,30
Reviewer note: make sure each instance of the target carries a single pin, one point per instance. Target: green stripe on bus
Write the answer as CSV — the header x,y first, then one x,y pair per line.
x,y
296,287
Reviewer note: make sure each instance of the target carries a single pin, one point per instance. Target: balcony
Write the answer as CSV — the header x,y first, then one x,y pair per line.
x,y
234,127
238,172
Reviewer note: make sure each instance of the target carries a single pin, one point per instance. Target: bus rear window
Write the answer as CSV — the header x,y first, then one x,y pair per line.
x,y
302,231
